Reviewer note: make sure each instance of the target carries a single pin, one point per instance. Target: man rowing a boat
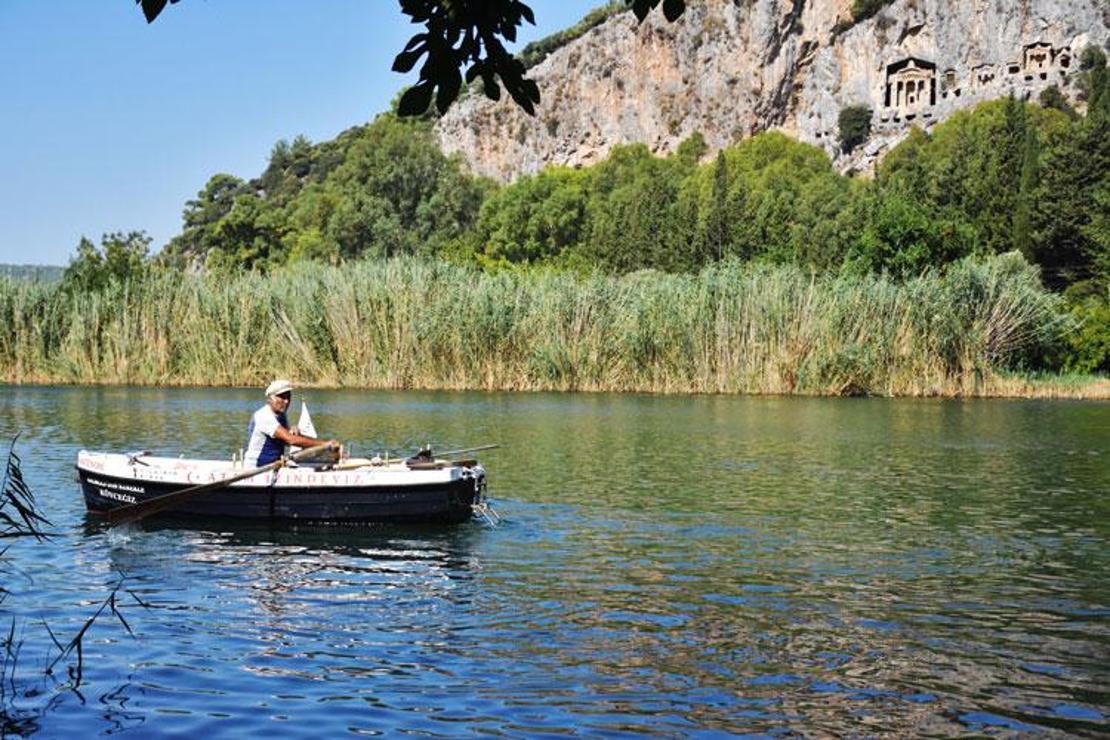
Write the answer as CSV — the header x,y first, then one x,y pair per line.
x,y
269,431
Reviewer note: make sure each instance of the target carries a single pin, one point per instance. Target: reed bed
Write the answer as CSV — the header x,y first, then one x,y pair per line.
x,y
408,323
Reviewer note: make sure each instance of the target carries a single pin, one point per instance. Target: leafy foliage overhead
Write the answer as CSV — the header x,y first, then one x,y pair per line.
x,y
466,34
151,8
672,9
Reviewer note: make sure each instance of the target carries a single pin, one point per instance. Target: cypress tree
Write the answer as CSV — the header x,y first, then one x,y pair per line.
x,y
1027,193
999,196
718,215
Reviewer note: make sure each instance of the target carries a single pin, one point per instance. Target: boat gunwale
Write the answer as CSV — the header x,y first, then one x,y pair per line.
x,y
179,472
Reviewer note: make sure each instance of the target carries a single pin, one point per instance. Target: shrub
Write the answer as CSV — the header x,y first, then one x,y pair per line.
x,y
855,126
864,9
1088,346
1051,97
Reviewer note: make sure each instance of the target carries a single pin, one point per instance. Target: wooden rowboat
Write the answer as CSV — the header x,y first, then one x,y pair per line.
x,y
353,491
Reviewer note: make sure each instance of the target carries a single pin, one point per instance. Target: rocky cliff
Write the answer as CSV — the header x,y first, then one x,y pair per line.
x,y
731,68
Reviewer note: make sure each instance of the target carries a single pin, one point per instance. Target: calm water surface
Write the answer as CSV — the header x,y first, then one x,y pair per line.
x,y
676,566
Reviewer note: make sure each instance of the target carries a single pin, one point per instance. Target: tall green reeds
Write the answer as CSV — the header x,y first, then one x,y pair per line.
x,y
405,323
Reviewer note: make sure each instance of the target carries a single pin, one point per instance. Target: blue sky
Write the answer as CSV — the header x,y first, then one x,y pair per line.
x,y
108,124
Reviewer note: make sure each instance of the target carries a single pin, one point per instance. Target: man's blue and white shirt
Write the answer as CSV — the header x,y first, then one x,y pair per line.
x,y
262,447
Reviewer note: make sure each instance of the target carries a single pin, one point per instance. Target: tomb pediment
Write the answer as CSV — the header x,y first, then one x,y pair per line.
x,y
911,86
910,63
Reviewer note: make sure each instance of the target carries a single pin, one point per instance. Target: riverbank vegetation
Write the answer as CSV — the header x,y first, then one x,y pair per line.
x,y
375,259
733,327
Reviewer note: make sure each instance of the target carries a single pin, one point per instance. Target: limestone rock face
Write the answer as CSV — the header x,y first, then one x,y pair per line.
x,y
731,68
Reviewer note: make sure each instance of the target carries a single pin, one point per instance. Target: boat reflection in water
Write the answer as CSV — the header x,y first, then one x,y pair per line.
x,y
302,614
296,570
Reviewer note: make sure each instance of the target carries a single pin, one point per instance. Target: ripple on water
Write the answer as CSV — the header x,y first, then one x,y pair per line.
x,y
824,568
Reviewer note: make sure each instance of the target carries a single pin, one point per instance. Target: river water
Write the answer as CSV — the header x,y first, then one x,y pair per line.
x,y
669,565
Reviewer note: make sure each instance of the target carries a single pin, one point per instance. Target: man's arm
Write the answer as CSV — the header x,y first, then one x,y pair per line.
x,y
299,440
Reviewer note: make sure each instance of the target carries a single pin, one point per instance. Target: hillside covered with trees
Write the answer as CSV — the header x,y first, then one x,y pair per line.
x,y
1007,176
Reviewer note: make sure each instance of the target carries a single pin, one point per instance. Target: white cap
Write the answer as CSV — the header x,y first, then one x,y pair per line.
x,y
278,386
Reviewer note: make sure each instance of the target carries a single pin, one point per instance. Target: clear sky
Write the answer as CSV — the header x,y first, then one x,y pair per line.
x,y
108,124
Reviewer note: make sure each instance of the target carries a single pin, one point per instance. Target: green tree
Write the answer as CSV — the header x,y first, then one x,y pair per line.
x,y
910,166
1087,348
291,167
717,216
1051,97
628,213
367,224
635,218
985,168
691,149
771,213
396,170
121,257
1092,80
1028,192
535,219
998,190
1070,213
202,214
903,237
1097,233
376,190
250,233
854,124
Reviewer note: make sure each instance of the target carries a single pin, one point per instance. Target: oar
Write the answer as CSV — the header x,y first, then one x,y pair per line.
x,y
366,462
143,509
479,448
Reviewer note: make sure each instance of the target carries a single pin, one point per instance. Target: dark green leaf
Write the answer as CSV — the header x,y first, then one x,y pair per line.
x,y
672,9
490,86
417,39
151,8
525,95
416,100
405,61
448,90
641,8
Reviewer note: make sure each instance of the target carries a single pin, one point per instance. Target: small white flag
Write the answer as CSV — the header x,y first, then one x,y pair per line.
x,y
304,425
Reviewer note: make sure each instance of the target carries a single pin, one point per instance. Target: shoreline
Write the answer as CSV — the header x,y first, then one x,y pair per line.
x,y
1002,387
